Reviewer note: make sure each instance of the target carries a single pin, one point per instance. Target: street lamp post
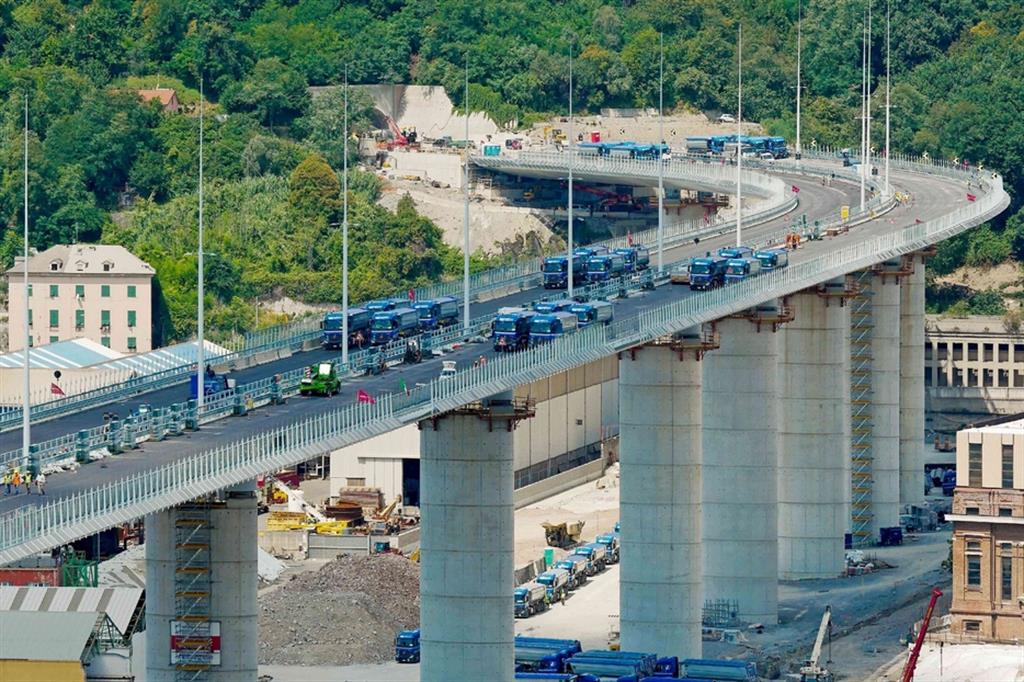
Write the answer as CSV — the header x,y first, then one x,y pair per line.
x,y
888,80
739,136
661,151
465,214
344,236
799,44
863,107
200,349
569,281
26,408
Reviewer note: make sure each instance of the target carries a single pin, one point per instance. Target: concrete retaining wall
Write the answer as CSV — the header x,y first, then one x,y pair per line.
x,y
591,471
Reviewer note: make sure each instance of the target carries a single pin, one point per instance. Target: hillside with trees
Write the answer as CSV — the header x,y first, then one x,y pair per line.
x,y
273,153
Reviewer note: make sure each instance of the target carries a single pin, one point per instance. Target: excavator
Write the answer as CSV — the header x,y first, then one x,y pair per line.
x,y
811,670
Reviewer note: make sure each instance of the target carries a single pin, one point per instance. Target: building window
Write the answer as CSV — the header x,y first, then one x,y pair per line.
x,y
928,350
973,556
131,291
54,290
927,376
1004,352
1005,511
972,351
79,320
987,352
1007,465
80,291
974,465
132,345
107,266
131,318
105,290
55,265
972,511
105,320
54,339
54,319
29,317
972,626
105,340
1006,578
1004,378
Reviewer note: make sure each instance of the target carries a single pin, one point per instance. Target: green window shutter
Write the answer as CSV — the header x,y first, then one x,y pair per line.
x,y
131,291
79,319
105,340
104,318
30,317
131,318
54,290
105,290
80,290
54,319
54,339
131,343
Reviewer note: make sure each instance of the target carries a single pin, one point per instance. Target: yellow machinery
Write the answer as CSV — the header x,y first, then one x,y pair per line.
x,y
563,535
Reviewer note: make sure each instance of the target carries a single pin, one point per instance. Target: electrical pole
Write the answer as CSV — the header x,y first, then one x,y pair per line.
x,y
26,408
465,214
888,80
867,122
569,282
863,104
799,44
661,152
344,236
200,349
739,136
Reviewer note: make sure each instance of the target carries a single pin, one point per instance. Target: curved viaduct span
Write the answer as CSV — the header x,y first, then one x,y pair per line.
x,y
810,375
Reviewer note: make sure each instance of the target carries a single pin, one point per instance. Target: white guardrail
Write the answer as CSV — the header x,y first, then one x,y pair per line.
x,y
31,529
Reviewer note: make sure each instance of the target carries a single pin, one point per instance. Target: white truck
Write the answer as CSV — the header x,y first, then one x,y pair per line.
x,y
556,581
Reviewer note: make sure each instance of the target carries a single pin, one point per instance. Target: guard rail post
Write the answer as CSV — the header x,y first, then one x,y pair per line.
x,y
174,420
114,436
275,390
129,433
191,416
240,408
158,423
82,446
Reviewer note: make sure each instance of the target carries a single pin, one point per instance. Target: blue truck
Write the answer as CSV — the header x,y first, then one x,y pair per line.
x,y
735,252
437,313
772,259
556,271
613,664
717,669
605,267
739,269
544,328
596,553
598,312
611,543
381,305
212,383
588,252
559,677
577,568
707,272
556,581
393,324
511,329
407,646
548,307
777,146
638,258
358,321
949,482
544,654
529,599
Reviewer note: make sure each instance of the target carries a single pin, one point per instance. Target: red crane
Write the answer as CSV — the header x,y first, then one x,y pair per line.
x,y
908,671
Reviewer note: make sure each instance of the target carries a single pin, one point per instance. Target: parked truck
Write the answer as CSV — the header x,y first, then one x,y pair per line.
x,y
212,383
613,664
735,252
380,306
716,669
558,677
611,543
588,252
544,654
605,267
707,272
556,581
597,554
597,312
556,271
529,599
548,307
511,329
437,313
545,328
739,269
394,324
577,568
358,322
407,646
638,258
773,259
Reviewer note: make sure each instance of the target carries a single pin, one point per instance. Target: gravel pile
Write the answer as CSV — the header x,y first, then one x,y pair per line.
x,y
347,612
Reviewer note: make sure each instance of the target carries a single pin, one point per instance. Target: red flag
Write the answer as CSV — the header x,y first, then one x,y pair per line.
x,y
629,238
971,197
364,397
412,294
796,190
56,390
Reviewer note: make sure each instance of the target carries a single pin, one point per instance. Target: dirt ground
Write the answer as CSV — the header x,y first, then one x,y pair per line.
x,y
1005,277
677,128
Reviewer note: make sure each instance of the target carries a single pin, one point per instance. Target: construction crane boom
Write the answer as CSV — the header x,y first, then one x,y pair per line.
x,y
811,670
908,671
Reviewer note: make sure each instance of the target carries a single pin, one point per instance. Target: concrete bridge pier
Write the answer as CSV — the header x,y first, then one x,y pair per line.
x,y
912,420
201,581
660,592
740,450
814,433
466,559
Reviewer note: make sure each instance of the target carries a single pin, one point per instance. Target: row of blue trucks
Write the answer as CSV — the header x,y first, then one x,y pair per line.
x,y
516,329
594,264
542,658
624,149
566,575
716,144
384,321
734,264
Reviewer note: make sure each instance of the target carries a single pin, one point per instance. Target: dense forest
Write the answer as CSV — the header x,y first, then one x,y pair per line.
x,y
273,154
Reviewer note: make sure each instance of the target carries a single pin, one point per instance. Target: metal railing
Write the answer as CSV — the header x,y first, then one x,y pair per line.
x,y
31,529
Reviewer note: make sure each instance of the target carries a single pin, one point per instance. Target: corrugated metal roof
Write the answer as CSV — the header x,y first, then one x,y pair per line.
x,y
163,358
119,603
36,636
62,355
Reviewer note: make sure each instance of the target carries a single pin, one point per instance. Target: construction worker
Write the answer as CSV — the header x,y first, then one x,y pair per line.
x,y
27,480
16,480
6,481
563,598
40,483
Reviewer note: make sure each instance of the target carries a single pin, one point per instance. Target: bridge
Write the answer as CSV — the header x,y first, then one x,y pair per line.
x,y
813,372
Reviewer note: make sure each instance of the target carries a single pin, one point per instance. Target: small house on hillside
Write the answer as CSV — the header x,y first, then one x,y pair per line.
x,y
167,96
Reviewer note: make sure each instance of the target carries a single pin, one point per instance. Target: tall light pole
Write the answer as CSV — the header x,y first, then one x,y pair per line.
x,y
465,214
570,264
863,105
888,79
344,233
867,85
26,418
200,349
799,45
739,137
661,151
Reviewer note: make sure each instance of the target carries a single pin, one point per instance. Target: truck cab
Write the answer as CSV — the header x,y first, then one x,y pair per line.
x,y
393,324
437,313
380,306
213,383
556,271
707,272
599,312
511,329
333,326
605,267
577,568
611,543
407,646
738,269
529,599
773,259
549,307
556,581
596,553
637,257
544,328
735,252
588,252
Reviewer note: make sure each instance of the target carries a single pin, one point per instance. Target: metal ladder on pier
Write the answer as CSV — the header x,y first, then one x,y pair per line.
x,y
192,630
861,413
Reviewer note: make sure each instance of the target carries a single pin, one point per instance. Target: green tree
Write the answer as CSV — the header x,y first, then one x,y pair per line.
x,y
274,92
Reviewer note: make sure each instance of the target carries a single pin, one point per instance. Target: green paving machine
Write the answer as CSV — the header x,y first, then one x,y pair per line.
x,y
320,379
